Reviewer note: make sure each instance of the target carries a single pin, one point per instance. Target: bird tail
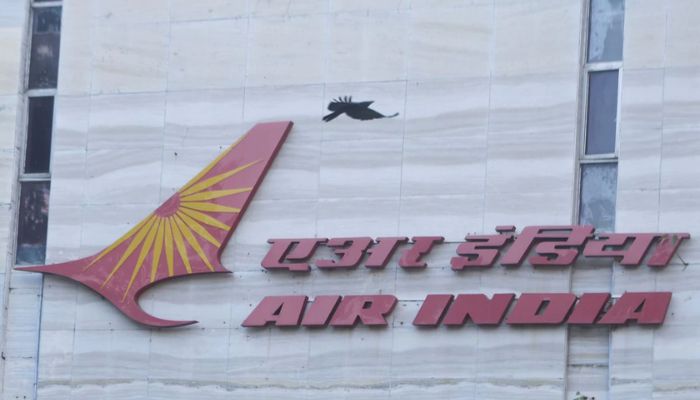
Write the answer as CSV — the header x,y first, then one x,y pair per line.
x,y
331,116
392,115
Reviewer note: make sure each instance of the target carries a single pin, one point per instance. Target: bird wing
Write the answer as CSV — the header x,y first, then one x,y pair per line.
x,y
364,114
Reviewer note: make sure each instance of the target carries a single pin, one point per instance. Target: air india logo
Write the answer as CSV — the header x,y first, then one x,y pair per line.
x,y
186,234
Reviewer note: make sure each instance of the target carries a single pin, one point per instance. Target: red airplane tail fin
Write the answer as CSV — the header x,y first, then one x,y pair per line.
x,y
186,234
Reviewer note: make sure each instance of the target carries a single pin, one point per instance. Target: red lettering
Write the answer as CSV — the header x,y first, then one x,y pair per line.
x,y
541,308
369,310
350,251
422,245
560,246
478,307
432,309
666,249
646,308
320,311
297,251
479,251
632,255
278,310
381,252
588,308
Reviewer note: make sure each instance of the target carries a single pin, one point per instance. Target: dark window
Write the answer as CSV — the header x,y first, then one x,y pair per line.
x,y
46,37
601,124
598,193
38,152
605,31
33,222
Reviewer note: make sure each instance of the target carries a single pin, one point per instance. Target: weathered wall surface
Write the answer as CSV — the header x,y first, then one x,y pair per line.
x,y
488,96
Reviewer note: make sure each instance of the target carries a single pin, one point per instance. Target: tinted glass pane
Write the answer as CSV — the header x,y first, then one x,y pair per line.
x,y
606,27
47,20
33,222
43,64
598,193
602,112
38,152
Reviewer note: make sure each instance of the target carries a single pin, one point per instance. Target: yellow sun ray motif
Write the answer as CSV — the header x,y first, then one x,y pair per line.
x,y
180,245
205,219
169,246
187,233
120,240
132,246
145,248
216,179
214,194
212,164
212,207
157,249
201,231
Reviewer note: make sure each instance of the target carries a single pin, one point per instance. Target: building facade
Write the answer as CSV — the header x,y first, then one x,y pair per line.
x,y
510,112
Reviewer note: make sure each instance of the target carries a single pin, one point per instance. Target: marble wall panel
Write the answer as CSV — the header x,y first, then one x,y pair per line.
x,y
338,6
9,106
59,303
542,35
186,10
207,54
117,176
204,118
448,43
132,121
506,367
12,20
55,365
452,217
367,47
447,109
110,364
8,160
103,224
368,168
631,363
75,61
678,212
261,8
672,348
524,209
531,145
357,217
681,124
682,34
645,30
64,233
129,57
300,41
640,137
132,11
295,172
266,219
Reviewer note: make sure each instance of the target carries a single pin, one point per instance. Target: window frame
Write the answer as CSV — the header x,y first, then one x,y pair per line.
x,y
586,68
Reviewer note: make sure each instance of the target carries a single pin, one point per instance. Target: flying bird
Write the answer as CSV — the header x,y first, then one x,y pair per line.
x,y
355,110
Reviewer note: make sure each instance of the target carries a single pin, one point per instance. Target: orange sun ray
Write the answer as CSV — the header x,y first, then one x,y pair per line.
x,y
169,247
157,249
214,194
212,207
145,248
180,245
205,219
187,233
216,179
120,240
132,246
212,164
199,229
